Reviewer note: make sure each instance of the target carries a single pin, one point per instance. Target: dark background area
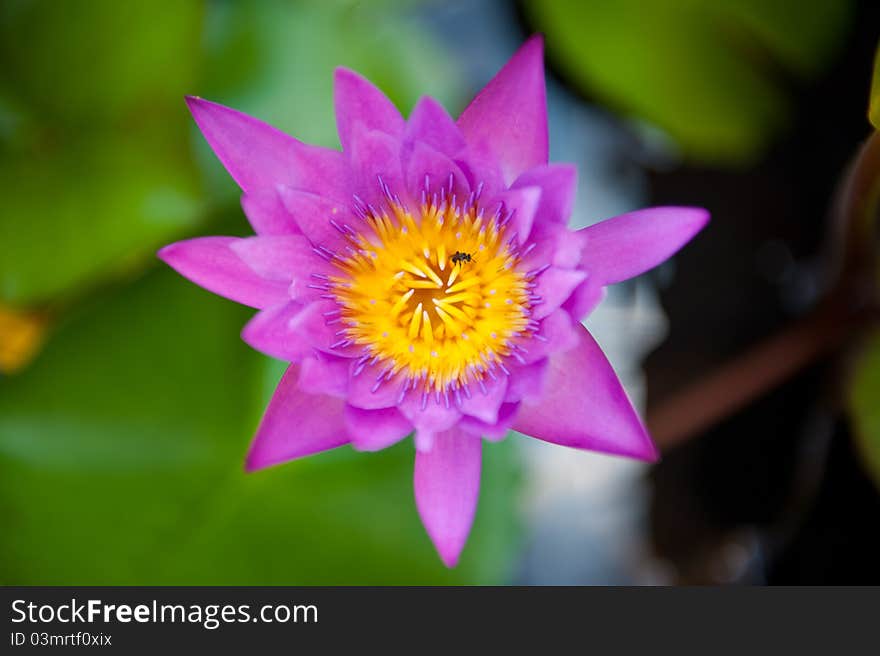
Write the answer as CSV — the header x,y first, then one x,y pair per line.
x,y
784,466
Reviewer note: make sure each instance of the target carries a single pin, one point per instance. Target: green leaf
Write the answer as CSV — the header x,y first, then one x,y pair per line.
x,y
277,58
85,63
865,409
95,204
121,455
95,165
704,71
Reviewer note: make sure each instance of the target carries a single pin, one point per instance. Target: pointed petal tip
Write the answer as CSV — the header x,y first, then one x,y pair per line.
x,y
259,457
296,424
251,333
648,453
449,551
585,406
627,245
691,218
696,216
343,73
644,450
447,487
450,557
357,100
253,461
171,253
531,52
165,253
198,105
426,102
205,112
211,263
507,119
534,45
176,253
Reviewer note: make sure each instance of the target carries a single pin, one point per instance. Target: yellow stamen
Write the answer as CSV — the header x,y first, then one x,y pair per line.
x,y
438,333
414,323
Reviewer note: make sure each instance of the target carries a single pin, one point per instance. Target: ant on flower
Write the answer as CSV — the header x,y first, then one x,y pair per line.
x,y
459,258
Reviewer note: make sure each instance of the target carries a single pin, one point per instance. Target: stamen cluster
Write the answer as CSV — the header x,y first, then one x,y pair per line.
x,y
436,297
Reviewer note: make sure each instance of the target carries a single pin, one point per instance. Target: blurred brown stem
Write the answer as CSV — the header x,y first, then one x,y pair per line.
x,y
842,315
734,385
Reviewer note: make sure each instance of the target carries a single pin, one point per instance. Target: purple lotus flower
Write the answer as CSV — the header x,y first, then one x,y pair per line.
x,y
423,280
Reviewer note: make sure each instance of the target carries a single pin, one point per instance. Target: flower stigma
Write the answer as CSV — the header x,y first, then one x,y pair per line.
x,y
437,297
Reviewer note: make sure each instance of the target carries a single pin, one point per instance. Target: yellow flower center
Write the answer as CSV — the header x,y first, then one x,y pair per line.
x,y
438,296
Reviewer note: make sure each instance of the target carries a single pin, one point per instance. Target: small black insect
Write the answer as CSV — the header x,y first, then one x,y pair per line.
x,y
458,257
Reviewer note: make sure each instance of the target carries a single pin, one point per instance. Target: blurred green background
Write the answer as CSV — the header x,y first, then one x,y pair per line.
x,y
127,401
121,445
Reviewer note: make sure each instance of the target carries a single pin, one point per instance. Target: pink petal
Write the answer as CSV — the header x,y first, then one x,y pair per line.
x,y
558,332
211,263
323,373
363,391
509,116
554,243
557,183
267,214
447,486
434,417
258,156
584,299
313,215
273,332
482,170
296,424
358,101
373,430
485,406
585,406
554,286
291,331
425,161
284,258
630,244
311,324
430,124
526,381
523,203
494,432
375,155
